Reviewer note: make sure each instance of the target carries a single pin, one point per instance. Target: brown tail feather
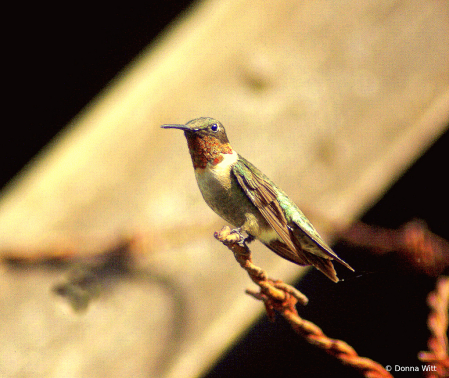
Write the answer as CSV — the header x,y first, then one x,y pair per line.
x,y
304,258
325,266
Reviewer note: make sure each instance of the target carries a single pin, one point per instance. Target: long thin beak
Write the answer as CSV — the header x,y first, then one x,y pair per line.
x,y
180,127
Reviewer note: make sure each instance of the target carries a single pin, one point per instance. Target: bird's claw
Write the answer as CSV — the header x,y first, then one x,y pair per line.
x,y
242,239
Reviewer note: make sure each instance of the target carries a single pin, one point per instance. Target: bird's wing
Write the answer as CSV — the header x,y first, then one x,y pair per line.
x,y
263,196
311,241
299,235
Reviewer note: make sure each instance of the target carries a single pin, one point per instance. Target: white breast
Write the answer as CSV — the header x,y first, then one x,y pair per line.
x,y
216,175
220,191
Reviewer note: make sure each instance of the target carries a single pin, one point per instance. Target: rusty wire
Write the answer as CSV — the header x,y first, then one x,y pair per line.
x,y
421,249
424,252
438,302
280,297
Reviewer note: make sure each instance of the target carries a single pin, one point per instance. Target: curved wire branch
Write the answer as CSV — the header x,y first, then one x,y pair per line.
x,y
425,252
421,249
280,297
437,322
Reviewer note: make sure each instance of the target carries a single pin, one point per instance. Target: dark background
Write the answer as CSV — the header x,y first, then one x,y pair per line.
x,y
59,59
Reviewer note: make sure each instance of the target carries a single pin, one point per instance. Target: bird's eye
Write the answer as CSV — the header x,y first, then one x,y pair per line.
x,y
214,127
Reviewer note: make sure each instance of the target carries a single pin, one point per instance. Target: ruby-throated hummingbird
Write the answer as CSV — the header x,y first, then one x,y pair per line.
x,y
242,195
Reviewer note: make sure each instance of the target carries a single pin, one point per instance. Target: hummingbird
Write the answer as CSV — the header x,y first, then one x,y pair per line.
x,y
243,196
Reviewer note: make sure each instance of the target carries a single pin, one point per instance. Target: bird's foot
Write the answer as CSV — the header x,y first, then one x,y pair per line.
x,y
243,240
249,239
